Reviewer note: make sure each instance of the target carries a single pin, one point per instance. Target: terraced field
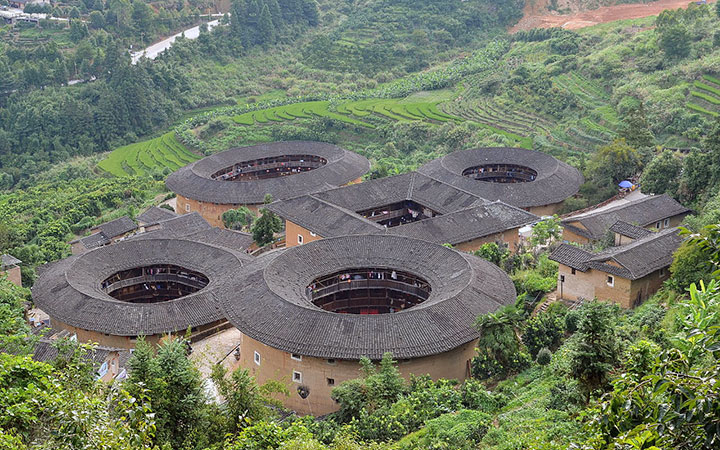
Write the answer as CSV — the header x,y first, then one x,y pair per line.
x,y
365,113
148,156
600,121
513,123
705,96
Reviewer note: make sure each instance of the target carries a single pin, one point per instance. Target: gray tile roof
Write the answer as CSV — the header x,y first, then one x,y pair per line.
x,y
270,303
467,224
465,216
106,232
629,230
322,217
632,261
9,260
154,215
95,240
555,180
179,226
117,227
70,290
642,212
193,181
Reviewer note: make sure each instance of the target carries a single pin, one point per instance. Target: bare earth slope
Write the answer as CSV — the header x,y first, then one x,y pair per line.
x,y
537,16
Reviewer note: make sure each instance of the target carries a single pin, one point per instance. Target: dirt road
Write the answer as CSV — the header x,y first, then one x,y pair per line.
x,y
533,19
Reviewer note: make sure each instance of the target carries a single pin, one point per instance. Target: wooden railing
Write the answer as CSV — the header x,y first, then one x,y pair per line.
x,y
348,285
168,277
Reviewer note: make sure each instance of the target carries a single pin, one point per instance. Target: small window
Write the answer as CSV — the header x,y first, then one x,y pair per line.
x,y
666,222
300,239
296,357
257,358
657,225
661,272
562,278
297,376
611,280
313,234
331,381
572,271
187,207
331,361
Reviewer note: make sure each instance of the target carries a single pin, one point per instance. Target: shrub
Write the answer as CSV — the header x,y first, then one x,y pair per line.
x,y
640,357
476,396
544,356
565,395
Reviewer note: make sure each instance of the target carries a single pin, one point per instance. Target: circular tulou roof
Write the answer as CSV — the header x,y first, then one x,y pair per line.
x,y
70,290
193,181
271,305
555,180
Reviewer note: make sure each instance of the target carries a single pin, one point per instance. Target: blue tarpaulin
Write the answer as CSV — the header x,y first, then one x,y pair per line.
x,y
625,184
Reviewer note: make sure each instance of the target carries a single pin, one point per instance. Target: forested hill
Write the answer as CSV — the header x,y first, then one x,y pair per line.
x,y
44,122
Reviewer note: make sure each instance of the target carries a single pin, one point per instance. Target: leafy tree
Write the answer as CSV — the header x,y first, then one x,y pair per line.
x,y
617,159
493,252
695,175
544,356
499,351
545,330
662,174
246,402
174,387
711,144
266,29
690,265
238,219
636,131
546,232
97,20
265,227
675,41
375,390
594,349
674,402
78,30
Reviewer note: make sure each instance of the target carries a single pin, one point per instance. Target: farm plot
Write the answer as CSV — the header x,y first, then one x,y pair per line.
x,y
588,93
705,96
365,113
148,156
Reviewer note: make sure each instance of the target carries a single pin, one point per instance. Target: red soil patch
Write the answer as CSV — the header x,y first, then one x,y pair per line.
x,y
588,18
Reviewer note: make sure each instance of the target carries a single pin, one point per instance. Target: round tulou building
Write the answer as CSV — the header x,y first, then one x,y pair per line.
x,y
139,287
309,313
244,176
527,179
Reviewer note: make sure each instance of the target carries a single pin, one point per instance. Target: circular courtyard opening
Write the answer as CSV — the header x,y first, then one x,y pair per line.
x,y
501,173
270,167
368,291
153,284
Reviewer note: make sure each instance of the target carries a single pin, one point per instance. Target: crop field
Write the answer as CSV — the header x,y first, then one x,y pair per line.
x,y
365,113
148,156
705,96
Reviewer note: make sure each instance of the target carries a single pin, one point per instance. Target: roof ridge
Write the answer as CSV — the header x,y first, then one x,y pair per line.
x,y
411,185
612,252
345,210
464,191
